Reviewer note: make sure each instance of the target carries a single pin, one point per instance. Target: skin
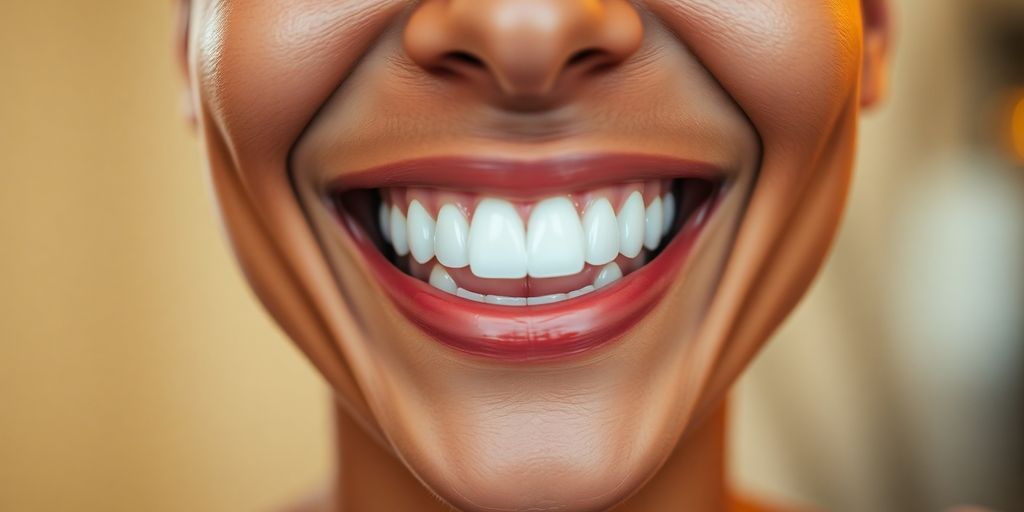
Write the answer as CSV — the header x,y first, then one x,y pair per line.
x,y
289,94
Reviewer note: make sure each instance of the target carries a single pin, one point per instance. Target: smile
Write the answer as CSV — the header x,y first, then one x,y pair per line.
x,y
527,260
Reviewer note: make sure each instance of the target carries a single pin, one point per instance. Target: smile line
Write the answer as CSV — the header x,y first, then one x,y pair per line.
x,y
540,326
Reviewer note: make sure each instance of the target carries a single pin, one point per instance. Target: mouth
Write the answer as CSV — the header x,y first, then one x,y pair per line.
x,y
527,260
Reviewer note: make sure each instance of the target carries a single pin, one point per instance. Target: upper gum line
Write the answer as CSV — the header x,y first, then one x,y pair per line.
x,y
433,199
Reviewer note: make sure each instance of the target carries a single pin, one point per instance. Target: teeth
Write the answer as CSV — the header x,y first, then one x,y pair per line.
x,y
421,232
546,299
601,230
451,237
497,241
653,219
582,291
399,242
608,275
466,294
554,242
631,225
668,212
440,279
505,301
554,239
384,218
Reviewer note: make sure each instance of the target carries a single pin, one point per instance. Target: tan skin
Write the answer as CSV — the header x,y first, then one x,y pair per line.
x,y
289,95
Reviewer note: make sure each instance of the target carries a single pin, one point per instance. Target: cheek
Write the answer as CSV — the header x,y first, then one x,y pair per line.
x,y
263,67
790,65
793,68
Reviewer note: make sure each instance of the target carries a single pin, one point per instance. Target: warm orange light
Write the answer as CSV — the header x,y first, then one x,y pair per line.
x,y
1017,126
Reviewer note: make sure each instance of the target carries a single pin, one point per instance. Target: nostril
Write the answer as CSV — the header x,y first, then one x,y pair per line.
x,y
463,59
590,60
584,55
518,48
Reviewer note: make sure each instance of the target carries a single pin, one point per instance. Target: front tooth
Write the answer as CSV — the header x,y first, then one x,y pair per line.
x,y
400,243
668,212
450,237
505,301
421,232
497,241
631,225
601,230
384,221
440,279
653,219
608,275
554,239
466,294
546,299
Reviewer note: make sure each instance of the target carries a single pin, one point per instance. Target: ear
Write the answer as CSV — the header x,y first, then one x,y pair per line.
x,y
183,12
877,40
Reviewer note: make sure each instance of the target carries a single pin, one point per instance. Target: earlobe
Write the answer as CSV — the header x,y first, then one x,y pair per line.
x,y
181,31
877,39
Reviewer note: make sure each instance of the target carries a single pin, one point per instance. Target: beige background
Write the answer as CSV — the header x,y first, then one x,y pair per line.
x,y
138,373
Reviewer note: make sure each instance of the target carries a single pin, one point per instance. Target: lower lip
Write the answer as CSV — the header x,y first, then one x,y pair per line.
x,y
533,333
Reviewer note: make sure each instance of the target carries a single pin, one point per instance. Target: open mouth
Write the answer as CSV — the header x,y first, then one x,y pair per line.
x,y
527,260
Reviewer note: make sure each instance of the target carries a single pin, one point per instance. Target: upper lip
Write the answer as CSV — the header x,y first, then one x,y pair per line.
x,y
516,178
534,332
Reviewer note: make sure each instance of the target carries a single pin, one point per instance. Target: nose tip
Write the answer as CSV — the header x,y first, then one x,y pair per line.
x,y
521,48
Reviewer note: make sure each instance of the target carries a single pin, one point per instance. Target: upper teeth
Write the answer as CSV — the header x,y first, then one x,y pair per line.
x,y
554,242
497,241
451,237
554,239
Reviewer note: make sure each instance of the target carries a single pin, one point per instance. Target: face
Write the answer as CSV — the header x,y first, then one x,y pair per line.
x,y
531,243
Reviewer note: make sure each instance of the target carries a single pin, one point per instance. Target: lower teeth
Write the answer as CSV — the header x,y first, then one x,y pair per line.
x,y
442,280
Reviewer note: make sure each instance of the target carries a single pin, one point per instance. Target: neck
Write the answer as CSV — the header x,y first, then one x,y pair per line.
x,y
371,478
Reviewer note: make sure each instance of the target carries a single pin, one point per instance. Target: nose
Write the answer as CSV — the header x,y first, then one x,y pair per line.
x,y
522,49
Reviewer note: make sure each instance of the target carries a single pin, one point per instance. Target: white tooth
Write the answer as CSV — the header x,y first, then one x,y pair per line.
x,y
554,239
401,243
421,232
546,299
450,237
608,275
631,225
497,241
440,279
384,221
505,301
668,212
653,218
582,291
466,294
601,230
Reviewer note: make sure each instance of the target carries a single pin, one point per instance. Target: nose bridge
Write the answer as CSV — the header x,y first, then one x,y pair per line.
x,y
521,47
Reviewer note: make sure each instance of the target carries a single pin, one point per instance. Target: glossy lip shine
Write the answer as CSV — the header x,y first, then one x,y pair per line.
x,y
530,333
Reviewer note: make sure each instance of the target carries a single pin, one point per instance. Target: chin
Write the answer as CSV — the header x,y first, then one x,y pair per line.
x,y
563,472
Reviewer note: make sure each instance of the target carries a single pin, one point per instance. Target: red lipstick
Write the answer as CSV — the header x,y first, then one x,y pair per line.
x,y
525,178
539,332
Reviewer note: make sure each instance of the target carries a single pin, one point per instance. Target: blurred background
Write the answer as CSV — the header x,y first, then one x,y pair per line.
x,y
137,371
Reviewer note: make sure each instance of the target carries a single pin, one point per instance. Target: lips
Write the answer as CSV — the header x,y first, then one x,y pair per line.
x,y
527,260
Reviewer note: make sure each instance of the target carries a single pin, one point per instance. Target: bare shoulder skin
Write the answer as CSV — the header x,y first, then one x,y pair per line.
x,y
530,244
